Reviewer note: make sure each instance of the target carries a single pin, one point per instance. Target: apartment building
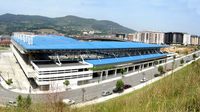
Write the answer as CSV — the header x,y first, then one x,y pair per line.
x,y
147,37
194,40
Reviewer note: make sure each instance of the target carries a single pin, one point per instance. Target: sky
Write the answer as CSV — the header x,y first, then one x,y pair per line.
x,y
141,15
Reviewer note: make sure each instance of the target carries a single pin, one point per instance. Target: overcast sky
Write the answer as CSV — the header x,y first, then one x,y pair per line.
x,y
156,15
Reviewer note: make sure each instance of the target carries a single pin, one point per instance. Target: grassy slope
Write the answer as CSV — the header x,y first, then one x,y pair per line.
x,y
176,93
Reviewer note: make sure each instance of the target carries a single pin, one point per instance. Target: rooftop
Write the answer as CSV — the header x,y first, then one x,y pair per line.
x,y
52,42
124,59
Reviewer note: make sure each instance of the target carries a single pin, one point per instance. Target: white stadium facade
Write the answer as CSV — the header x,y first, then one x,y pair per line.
x,y
49,60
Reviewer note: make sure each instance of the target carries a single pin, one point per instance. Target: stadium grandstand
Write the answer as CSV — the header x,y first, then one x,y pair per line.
x,y
49,60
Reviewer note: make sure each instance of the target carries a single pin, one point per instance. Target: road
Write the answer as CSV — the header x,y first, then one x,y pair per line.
x,y
90,92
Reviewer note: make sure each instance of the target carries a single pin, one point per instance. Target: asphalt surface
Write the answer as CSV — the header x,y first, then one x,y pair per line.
x,y
90,93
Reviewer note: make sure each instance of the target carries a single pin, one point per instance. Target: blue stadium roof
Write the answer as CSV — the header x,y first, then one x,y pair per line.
x,y
124,59
52,42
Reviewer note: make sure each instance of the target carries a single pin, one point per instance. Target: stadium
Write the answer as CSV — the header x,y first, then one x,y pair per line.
x,y
49,60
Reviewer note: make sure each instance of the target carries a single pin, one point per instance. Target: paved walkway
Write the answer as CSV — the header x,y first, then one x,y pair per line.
x,y
10,69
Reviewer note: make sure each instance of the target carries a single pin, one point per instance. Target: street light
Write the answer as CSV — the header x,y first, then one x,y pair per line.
x,y
83,94
30,90
174,57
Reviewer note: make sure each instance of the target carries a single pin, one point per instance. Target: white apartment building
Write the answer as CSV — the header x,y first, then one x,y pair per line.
x,y
147,37
186,39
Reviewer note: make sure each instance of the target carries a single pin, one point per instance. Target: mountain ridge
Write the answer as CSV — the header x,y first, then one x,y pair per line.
x,y
68,25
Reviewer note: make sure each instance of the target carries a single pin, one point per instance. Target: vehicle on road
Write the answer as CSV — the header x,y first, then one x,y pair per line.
x,y
187,61
116,90
143,80
106,93
12,103
157,75
126,86
68,101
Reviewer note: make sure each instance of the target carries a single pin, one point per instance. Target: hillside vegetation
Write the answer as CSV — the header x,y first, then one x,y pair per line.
x,y
179,92
68,25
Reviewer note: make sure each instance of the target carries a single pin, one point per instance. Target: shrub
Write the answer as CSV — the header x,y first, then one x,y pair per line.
x,y
122,71
24,102
66,82
194,56
161,69
181,61
9,81
119,84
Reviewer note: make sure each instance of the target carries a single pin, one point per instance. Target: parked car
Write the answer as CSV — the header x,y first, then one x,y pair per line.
x,y
187,61
126,86
12,103
106,93
143,80
68,101
116,90
157,75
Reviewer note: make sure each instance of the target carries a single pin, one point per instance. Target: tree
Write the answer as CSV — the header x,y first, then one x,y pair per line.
x,y
66,82
83,94
181,61
194,56
119,84
173,64
122,72
9,81
19,101
174,58
161,69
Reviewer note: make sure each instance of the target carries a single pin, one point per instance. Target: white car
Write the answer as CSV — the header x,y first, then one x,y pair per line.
x,y
12,103
143,80
68,101
106,93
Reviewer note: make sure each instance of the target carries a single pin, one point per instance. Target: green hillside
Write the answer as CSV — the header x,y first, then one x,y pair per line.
x,y
179,92
68,25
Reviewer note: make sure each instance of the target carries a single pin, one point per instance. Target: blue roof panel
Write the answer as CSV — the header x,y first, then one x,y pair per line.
x,y
123,59
51,42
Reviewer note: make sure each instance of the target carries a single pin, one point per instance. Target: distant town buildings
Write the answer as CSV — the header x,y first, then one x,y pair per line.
x,y
186,39
121,36
147,37
175,38
91,32
4,40
194,40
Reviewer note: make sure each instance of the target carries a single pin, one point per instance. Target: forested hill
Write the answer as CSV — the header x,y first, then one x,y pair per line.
x,y
68,25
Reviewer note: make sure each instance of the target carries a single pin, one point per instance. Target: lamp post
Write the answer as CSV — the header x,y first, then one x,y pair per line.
x,y
174,57
83,94
30,90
